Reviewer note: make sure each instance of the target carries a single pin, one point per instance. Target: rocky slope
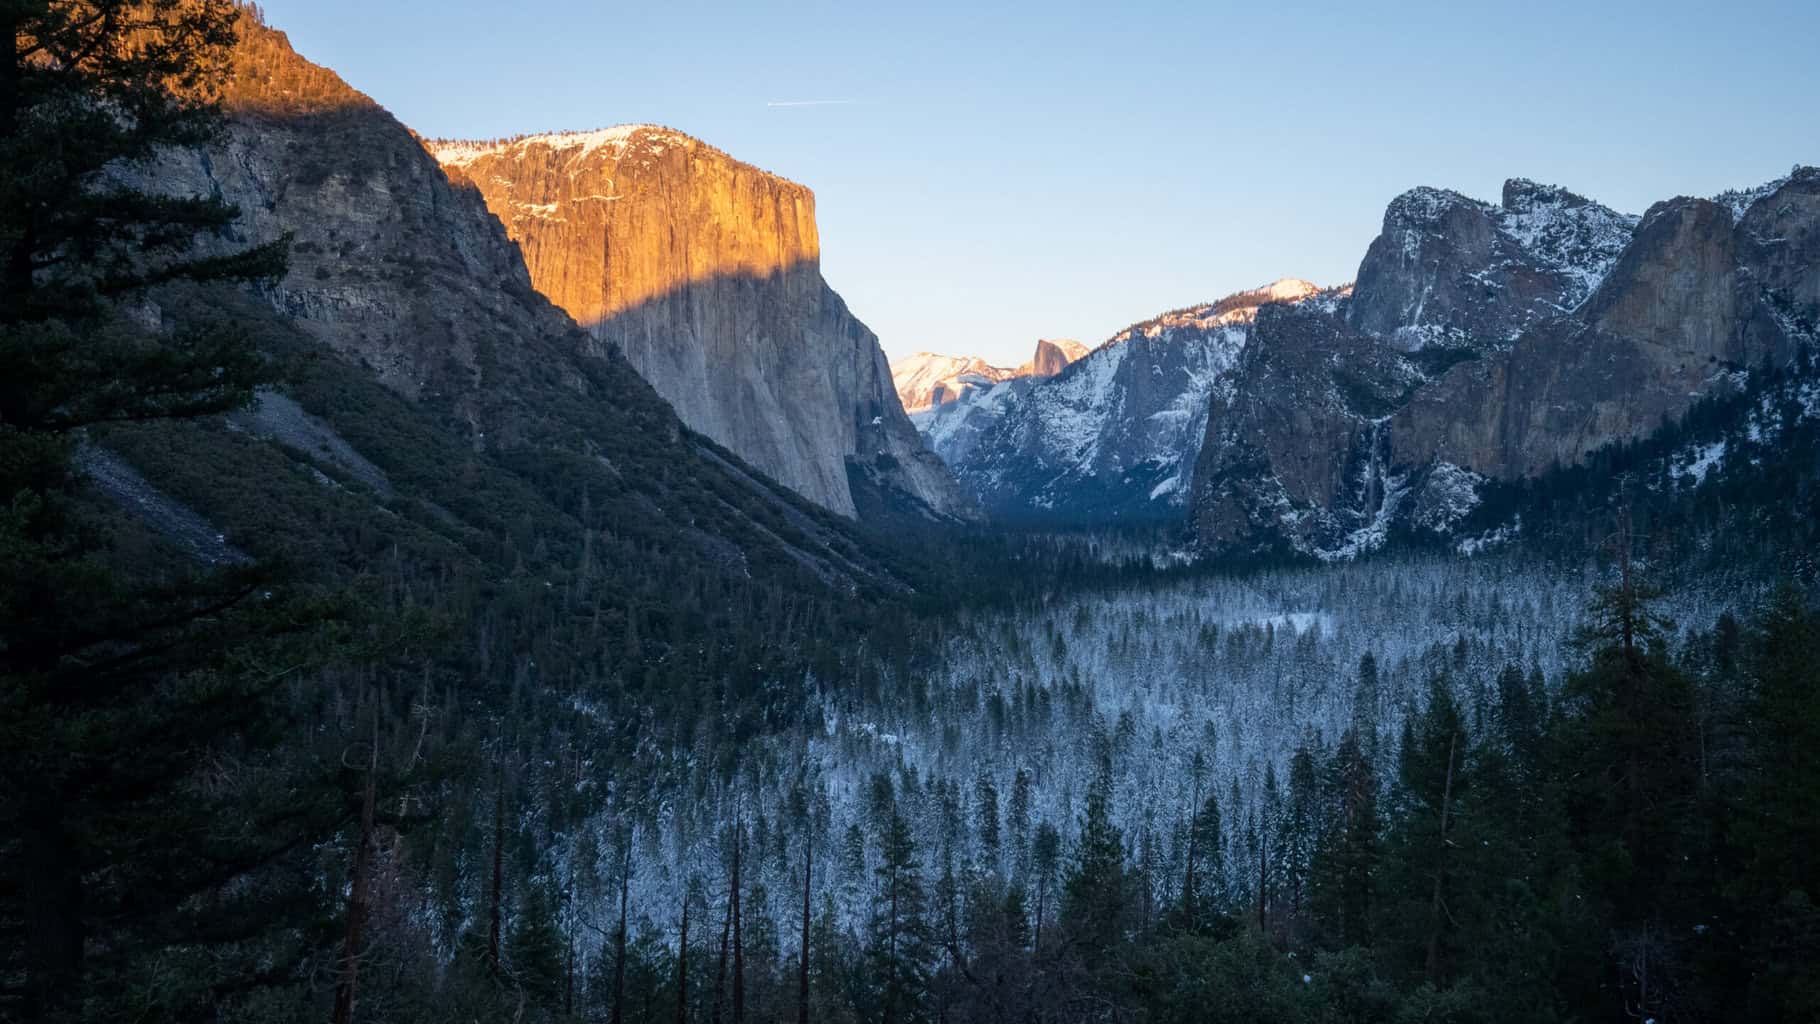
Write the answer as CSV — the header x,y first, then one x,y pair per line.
x,y
704,272
1114,435
438,393
925,379
1490,343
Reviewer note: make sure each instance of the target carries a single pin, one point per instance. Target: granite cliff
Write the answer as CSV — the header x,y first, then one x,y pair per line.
x,y
434,382
1491,343
704,272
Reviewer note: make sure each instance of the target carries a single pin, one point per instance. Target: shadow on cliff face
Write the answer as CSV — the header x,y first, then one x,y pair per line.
x,y
775,367
405,268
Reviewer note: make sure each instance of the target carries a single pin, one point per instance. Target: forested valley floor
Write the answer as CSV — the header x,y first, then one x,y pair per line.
x,y
426,667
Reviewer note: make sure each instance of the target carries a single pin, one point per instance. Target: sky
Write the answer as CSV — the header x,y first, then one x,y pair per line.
x,y
991,174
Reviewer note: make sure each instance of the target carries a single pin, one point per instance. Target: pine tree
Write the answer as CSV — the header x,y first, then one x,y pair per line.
x,y
1017,823
898,949
1346,857
1628,748
1431,780
92,661
533,952
1204,872
1096,897
986,813
1299,832
1776,826
1045,860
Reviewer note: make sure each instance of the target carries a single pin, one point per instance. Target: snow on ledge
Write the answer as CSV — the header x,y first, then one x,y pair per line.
x,y
457,153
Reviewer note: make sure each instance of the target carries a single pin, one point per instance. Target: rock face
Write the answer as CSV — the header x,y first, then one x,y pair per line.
x,y
400,272
705,273
1490,342
1114,435
1451,271
925,380
1052,357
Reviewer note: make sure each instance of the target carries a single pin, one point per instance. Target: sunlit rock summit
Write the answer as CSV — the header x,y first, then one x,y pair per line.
x,y
705,272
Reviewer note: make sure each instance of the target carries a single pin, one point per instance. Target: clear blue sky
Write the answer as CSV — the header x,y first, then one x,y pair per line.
x,y
1042,170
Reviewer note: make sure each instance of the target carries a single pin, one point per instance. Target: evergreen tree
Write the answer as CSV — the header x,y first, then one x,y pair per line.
x,y
1045,861
1431,780
899,940
1097,897
1017,823
986,813
1776,827
1204,870
105,854
535,951
1347,853
1299,833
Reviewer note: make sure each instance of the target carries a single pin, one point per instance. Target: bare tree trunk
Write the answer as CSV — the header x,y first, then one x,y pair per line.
x,y
619,937
891,954
357,897
1434,904
802,978
1042,896
682,964
1194,822
720,967
1263,867
739,956
499,873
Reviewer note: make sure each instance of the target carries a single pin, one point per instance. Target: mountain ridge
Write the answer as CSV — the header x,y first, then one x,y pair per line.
x,y
1429,383
1113,435
927,379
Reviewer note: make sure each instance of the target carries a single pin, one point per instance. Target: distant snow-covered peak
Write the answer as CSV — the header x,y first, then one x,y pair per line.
x,y
1289,289
927,379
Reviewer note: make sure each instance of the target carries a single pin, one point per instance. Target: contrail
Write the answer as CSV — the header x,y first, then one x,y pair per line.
x,y
808,103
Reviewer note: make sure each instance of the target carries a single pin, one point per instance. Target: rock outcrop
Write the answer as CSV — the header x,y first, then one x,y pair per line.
x,y
705,273
1447,270
1052,357
1493,343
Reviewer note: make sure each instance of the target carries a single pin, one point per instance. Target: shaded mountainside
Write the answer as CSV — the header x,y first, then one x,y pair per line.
x,y
445,426
704,272
1114,435
1488,344
925,380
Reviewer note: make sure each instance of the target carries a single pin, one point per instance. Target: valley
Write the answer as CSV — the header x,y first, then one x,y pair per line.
x,y
501,579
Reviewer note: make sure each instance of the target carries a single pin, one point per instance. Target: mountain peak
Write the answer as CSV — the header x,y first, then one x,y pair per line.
x,y
1289,289
1052,357
1524,193
1426,205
